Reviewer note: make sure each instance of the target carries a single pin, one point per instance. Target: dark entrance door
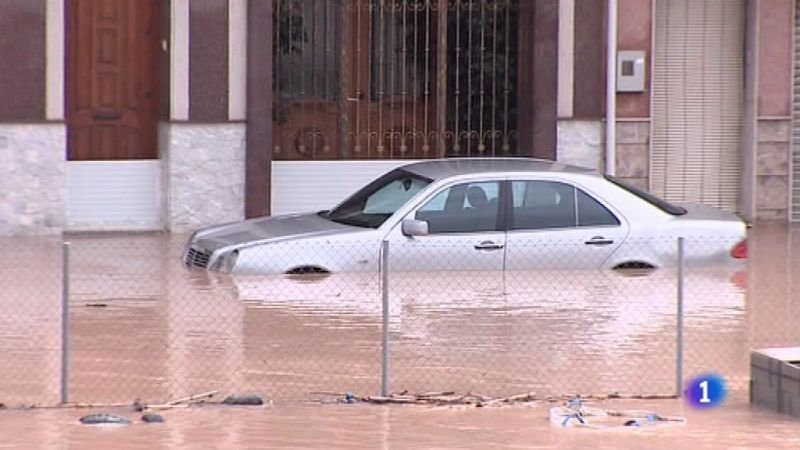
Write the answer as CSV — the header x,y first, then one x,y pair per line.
x,y
112,79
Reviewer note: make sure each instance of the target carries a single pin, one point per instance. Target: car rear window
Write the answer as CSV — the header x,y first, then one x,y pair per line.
x,y
659,203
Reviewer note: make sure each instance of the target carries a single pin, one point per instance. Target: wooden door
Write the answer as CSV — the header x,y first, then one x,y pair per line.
x,y
112,79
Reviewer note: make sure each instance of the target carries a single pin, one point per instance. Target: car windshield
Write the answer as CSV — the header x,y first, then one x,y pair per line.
x,y
377,201
659,203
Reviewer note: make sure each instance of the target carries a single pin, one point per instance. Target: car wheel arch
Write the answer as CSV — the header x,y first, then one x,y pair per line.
x,y
634,264
307,269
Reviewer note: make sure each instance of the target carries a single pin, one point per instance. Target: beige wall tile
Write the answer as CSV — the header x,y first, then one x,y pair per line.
x,y
774,130
633,132
771,214
772,192
641,183
632,160
773,158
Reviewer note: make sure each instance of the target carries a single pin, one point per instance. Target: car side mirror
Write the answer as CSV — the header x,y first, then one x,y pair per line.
x,y
413,227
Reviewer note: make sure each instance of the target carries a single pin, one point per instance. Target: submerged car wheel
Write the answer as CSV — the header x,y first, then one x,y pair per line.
x,y
634,268
307,274
634,265
307,270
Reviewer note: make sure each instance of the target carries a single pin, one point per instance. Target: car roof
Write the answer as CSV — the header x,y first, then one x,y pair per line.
x,y
436,169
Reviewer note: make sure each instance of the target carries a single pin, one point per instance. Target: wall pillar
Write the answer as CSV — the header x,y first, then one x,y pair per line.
x,y
581,85
202,139
259,108
32,131
774,22
32,178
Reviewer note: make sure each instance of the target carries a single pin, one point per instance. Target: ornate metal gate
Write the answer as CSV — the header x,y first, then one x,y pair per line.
x,y
395,78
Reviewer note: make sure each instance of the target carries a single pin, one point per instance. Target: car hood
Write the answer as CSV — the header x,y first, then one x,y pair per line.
x,y
292,226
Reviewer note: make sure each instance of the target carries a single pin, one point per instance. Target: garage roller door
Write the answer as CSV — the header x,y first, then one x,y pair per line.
x,y
795,164
698,86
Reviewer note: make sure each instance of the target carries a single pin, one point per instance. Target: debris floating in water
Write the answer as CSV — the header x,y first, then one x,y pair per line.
x,y
179,403
153,418
104,419
438,398
243,400
574,413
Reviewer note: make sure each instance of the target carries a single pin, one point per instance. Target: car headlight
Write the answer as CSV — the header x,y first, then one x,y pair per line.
x,y
230,260
225,262
188,244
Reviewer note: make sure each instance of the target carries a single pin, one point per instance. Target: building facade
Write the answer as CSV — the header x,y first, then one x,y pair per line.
x,y
175,114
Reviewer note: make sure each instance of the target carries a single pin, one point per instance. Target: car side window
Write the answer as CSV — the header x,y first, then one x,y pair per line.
x,y
464,208
551,204
542,204
592,214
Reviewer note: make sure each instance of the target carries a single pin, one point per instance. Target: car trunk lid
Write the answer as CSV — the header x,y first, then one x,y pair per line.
x,y
696,211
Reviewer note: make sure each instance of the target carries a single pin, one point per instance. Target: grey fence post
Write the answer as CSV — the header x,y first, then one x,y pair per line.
x,y
385,312
679,325
65,322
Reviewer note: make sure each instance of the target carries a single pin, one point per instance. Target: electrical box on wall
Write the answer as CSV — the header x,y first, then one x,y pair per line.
x,y
630,70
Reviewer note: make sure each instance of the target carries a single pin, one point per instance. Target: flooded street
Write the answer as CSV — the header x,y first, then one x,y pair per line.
x,y
386,427
142,326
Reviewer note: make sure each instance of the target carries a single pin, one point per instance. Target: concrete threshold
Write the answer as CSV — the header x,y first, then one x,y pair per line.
x,y
775,379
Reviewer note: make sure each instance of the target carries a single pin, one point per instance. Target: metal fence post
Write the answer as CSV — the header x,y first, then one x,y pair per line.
x,y
385,312
65,322
679,325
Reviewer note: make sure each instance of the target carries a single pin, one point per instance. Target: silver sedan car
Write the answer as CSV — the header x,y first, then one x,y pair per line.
x,y
496,214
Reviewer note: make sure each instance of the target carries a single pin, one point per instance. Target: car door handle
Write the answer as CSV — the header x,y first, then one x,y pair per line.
x,y
599,240
488,245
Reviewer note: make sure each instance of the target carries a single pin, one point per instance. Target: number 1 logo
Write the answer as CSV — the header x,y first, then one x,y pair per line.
x,y
704,397
706,391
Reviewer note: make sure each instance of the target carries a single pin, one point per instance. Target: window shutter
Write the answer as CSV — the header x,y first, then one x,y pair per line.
x,y
795,163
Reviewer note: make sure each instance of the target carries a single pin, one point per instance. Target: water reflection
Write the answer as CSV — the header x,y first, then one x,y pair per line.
x,y
606,302
496,331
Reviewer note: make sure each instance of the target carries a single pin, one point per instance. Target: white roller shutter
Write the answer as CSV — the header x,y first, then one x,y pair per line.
x,y
114,195
795,163
698,87
304,186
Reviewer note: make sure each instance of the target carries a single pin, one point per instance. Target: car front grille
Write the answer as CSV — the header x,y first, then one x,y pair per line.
x,y
196,258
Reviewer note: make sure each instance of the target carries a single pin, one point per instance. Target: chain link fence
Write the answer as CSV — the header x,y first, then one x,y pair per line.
x,y
494,322
30,320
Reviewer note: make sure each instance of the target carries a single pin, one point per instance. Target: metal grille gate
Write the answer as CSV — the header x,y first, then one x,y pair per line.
x,y
390,79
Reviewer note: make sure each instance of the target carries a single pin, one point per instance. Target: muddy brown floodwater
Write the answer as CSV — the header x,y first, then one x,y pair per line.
x,y
388,427
144,327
